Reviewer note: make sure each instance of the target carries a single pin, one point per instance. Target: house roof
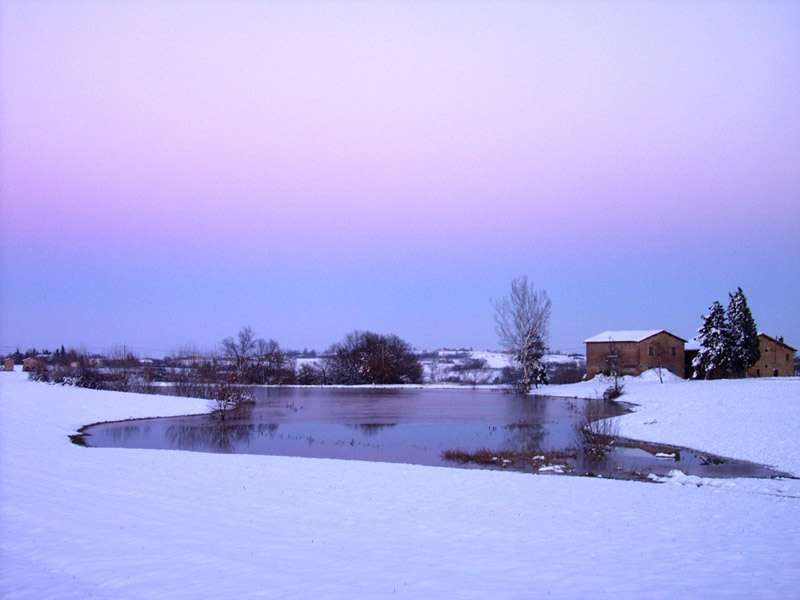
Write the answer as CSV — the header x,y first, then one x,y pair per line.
x,y
769,337
693,344
637,335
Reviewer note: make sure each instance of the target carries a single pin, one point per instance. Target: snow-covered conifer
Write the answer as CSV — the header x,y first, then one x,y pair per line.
x,y
743,350
713,341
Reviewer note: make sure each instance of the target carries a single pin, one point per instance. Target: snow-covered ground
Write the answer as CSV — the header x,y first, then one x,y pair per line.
x,y
751,419
448,365
111,523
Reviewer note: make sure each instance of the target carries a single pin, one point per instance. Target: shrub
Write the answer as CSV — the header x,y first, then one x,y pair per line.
x,y
366,357
571,372
596,432
230,398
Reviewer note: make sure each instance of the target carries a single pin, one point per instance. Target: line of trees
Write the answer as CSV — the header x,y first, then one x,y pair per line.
x,y
728,339
362,357
59,355
258,361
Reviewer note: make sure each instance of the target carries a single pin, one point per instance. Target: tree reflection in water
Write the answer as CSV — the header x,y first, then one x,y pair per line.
x,y
128,432
268,429
211,438
371,429
524,438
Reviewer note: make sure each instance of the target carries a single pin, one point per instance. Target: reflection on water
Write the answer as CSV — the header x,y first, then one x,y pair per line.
x,y
371,429
525,439
414,426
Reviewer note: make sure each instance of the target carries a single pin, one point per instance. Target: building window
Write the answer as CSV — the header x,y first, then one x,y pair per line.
x,y
674,351
650,351
787,357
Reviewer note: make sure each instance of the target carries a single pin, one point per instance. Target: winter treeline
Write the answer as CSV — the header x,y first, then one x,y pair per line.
x,y
728,339
363,357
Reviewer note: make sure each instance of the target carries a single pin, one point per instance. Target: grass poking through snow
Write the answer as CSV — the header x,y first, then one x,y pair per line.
x,y
512,459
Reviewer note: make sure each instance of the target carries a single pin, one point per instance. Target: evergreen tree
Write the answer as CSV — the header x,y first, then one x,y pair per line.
x,y
713,339
743,350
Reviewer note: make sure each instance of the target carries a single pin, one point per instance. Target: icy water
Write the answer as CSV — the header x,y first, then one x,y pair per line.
x,y
418,427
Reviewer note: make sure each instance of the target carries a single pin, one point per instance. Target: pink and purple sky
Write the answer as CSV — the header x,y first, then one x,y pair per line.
x,y
172,171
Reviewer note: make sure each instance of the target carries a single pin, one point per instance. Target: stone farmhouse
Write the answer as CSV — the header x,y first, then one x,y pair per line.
x,y
777,358
34,364
634,352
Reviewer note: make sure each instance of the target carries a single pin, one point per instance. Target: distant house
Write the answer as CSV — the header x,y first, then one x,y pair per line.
x,y
635,352
192,360
34,364
8,365
777,358
97,362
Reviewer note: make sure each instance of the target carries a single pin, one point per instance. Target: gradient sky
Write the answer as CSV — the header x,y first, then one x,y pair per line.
x,y
172,171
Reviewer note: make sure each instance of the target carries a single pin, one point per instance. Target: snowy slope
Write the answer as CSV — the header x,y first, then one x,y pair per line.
x,y
107,523
751,419
442,368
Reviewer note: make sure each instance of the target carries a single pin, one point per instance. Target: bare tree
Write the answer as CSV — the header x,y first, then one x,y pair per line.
x,y
274,365
266,350
240,349
522,320
613,360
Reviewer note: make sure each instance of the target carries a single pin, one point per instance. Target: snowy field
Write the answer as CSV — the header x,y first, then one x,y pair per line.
x,y
447,366
112,523
751,419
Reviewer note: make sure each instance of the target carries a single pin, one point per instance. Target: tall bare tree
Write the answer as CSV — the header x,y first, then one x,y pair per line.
x,y
240,349
522,320
274,365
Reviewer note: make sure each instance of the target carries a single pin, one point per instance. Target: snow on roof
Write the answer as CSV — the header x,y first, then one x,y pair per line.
x,y
693,344
624,336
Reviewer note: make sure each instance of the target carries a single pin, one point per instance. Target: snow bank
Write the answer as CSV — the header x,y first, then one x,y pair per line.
x,y
653,376
751,419
111,523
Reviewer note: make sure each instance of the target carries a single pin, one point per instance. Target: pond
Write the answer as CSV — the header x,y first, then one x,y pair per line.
x,y
466,428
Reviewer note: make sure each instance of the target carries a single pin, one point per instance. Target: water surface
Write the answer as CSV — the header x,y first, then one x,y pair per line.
x,y
415,426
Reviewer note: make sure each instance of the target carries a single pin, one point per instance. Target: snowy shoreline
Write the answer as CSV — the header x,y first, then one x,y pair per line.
x,y
748,419
723,417
114,523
